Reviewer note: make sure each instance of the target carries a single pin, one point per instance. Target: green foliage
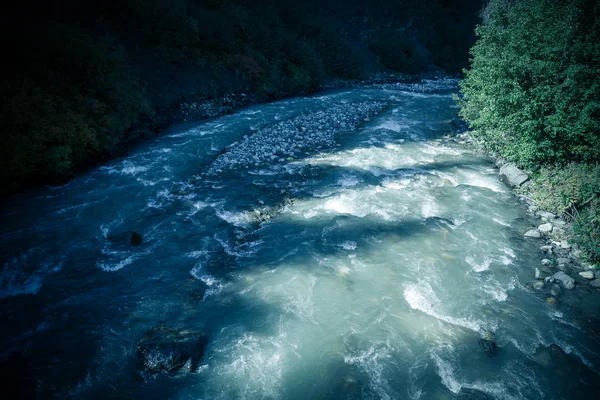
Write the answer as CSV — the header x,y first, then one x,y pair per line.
x,y
561,190
572,191
533,90
586,228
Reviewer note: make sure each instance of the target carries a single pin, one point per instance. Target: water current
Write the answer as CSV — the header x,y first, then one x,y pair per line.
x,y
366,266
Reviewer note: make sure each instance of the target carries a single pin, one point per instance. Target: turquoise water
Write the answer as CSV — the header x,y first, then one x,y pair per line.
x,y
385,257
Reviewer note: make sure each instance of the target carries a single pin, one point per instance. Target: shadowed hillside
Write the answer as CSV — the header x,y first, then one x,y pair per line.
x,y
84,77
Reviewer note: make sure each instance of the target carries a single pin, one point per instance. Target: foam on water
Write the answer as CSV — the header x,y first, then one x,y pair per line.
x,y
421,296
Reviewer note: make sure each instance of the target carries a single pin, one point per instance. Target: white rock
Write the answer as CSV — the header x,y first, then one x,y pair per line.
x,y
545,228
587,274
545,261
533,233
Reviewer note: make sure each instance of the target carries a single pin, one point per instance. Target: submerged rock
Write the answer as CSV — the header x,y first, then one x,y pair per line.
x,y
512,176
538,285
169,350
488,346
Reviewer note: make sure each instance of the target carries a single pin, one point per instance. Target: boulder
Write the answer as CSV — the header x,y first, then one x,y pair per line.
x,y
587,275
169,350
512,176
595,283
545,228
533,233
566,280
130,238
135,239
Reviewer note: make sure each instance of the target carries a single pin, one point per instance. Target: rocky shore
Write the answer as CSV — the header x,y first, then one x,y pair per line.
x,y
561,265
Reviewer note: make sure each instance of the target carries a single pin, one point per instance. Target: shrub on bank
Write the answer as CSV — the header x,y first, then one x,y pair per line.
x,y
532,94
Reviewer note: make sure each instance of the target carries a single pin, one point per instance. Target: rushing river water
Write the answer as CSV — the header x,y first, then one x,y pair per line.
x,y
366,269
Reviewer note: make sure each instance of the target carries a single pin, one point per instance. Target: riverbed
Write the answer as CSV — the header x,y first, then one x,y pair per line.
x,y
338,246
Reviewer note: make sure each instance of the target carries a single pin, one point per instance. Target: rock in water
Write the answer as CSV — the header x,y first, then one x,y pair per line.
x,y
164,349
135,239
512,176
566,280
488,346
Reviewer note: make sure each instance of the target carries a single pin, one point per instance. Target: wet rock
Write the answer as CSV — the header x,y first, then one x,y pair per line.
x,y
539,285
587,275
135,239
533,233
124,239
545,228
487,346
551,300
595,283
563,261
538,274
545,261
566,280
546,249
512,176
164,349
555,290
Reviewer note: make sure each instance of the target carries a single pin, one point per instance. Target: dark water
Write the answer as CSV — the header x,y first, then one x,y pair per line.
x,y
385,259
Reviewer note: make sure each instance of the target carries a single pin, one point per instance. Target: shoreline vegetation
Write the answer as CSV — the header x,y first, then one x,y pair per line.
x,y
86,80
531,97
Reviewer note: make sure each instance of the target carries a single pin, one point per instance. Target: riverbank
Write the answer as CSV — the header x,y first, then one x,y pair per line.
x,y
562,259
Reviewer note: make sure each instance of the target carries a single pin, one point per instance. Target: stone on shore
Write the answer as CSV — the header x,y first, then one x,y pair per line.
x,y
533,233
587,275
545,228
512,176
566,280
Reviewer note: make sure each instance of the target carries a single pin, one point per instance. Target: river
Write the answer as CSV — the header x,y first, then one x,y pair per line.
x,y
363,263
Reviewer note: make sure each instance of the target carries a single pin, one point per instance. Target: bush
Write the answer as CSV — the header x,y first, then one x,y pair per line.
x,y
533,90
